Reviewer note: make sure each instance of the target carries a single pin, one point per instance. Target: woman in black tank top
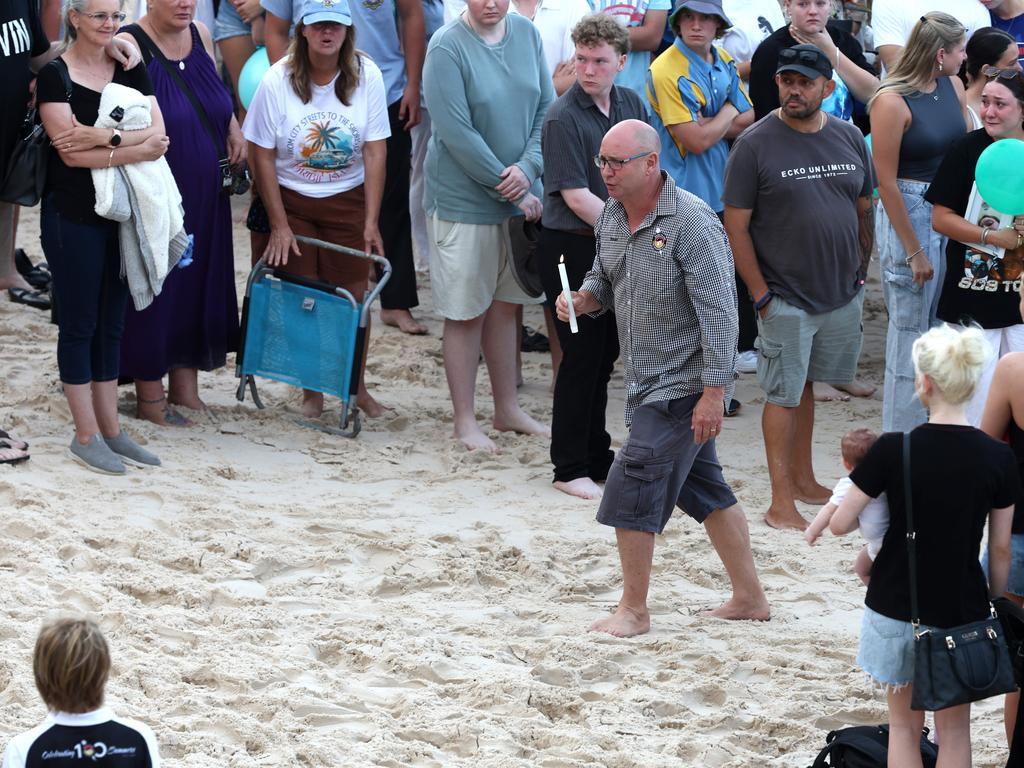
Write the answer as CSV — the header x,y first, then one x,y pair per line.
x,y
916,115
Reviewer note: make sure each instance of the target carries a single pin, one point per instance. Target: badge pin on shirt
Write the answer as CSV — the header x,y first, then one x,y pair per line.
x,y
659,240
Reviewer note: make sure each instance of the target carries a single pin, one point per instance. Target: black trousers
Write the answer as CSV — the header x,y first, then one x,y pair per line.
x,y
580,444
395,222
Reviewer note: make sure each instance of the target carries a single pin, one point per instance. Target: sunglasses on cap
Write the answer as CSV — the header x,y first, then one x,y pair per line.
x,y
790,56
1003,74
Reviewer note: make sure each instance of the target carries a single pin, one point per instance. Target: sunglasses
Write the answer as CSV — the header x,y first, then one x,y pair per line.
x,y
789,56
1003,74
616,165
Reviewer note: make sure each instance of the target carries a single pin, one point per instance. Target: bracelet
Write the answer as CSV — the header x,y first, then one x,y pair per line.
x,y
111,158
984,235
910,258
760,303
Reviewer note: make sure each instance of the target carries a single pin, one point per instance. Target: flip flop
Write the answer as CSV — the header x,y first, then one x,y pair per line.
x,y
36,275
35,299
12,456
12,442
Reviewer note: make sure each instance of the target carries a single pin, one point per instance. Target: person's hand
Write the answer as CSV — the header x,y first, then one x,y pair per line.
x,y
514,183
124,52
78,138
706,422
238,147
155,147
764,308
583,302
372,241
409,107
565,68
1009,238
811,535
282,243
248,9
922,269
821,40
531,207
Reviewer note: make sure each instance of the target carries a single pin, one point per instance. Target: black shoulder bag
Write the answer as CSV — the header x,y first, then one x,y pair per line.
x,y
233,180
956,665
866,746
24,178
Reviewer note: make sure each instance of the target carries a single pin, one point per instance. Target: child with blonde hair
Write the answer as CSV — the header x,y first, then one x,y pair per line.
x,y
71,664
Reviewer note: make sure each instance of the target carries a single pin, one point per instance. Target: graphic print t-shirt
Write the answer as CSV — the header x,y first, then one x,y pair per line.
x,y
320,144
96,738
21,38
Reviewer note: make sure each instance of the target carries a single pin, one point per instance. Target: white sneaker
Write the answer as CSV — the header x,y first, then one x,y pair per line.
x,y
746,362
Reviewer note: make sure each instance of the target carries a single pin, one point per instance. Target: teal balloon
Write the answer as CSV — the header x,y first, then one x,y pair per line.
x,y
998,176
252,73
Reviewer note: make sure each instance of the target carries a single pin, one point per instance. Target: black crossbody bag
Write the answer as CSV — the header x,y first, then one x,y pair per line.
x,y
234,179
956,665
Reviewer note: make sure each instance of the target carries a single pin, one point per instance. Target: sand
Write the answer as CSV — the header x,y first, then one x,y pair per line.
x,y
277,596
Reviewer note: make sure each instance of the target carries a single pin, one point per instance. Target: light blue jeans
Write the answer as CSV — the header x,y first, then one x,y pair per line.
x,y
911,307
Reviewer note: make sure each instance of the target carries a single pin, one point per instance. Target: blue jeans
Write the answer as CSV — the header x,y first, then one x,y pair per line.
x,y
911,307
85,261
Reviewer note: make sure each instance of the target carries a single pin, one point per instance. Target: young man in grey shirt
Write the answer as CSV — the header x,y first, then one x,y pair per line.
x,y
798,212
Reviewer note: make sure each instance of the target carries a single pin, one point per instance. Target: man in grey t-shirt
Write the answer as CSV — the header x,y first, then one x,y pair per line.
x,y
799,218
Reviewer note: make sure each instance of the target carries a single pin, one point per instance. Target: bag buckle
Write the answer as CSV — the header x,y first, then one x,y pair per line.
x,y
991,633
950,643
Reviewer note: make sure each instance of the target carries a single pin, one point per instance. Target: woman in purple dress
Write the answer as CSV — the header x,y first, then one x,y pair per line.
x,y
193,323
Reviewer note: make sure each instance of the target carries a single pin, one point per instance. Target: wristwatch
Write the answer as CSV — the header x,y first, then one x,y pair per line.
x,y
115,138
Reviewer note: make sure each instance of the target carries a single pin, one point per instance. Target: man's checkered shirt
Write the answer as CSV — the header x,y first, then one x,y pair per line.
x,y
672,287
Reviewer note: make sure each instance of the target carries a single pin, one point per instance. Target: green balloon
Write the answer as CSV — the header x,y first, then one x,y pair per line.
x,y
998,176
251,74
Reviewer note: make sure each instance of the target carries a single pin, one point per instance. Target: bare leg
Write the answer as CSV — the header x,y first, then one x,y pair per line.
x,y
104,403
955,725
151,405
500,341
235,52
636,551
183,388
80,401
312,404
727,529
806,488
862,565
583,487
366,402
905,731
461,350
518,332
779,427
9,275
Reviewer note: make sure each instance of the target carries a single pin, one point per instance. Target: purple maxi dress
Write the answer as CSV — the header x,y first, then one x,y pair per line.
x,y
193,323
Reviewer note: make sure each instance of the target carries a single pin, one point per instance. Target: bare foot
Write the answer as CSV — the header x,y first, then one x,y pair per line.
x,y
583,487
625,622
519,421
162,415
12,455
474,439
815,493
312,405
370,407
826,393
858,388
403,320
785,519
15,280
192,403
742,610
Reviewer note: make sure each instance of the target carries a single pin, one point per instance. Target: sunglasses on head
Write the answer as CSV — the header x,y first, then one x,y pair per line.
x,y
1003,74
788,56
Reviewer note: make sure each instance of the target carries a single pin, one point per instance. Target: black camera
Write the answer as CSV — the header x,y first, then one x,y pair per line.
x,y
234,179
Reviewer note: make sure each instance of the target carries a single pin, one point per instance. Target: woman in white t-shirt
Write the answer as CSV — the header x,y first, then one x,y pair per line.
x,y
317,127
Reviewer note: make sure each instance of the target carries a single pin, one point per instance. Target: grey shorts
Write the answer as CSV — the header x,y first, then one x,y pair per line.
x,y
228,23
660,468
795,347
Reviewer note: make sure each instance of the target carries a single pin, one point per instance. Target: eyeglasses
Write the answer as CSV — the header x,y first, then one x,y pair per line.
x,y
788,56
1003,74
103,18
616,165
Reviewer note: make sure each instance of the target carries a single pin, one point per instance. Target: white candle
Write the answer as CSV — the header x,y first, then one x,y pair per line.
x,y
568,294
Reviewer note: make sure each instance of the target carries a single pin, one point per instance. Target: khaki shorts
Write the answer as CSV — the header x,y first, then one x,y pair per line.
x,y
469,268
795,347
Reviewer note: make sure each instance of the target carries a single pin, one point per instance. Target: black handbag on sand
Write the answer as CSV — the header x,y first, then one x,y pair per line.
x,y
24,177
866,746
956,665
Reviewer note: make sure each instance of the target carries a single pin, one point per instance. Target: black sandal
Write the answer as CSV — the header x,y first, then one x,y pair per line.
x,y
34,299
36,275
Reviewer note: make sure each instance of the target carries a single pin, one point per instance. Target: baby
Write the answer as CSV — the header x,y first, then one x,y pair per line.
x,y
873,521
71,664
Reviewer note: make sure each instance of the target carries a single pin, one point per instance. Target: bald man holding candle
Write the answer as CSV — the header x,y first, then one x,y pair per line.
x,y
664,264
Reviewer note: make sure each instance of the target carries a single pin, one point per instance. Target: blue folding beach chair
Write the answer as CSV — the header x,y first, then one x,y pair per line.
x,y
306,333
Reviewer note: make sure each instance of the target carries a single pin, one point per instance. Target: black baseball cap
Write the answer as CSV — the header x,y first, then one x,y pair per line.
x,y
808,60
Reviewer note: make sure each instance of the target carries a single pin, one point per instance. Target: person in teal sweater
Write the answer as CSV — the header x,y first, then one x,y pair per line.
x,y
489,89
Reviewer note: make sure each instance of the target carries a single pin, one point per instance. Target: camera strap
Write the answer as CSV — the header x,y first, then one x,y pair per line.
x,y
154,51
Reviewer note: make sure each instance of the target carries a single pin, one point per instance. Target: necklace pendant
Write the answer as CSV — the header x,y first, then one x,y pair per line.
x,y
181,65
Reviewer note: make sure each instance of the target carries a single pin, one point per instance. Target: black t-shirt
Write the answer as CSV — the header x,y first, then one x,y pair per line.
x,y
1017,445
764,93
21,38
978,287
92,738
958,475
72,188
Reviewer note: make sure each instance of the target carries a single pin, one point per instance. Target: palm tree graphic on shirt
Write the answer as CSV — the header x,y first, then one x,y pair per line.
x,y
326,147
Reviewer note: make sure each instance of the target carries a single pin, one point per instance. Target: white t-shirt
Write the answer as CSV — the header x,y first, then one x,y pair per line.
x,y
554,20
893,20
873,520
752,21
319,145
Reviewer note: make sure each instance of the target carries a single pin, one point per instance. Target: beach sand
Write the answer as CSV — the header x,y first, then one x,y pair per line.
x,y
277,596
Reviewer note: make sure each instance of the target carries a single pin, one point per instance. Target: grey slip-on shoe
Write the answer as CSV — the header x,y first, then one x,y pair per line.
x,y
131,451
97,456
